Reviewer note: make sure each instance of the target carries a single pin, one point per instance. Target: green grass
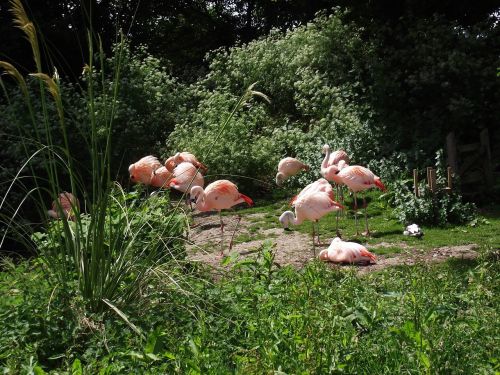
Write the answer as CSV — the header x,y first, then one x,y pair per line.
x,y
257,318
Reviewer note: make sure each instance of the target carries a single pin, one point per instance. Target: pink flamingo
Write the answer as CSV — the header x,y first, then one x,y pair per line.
x,y
184,156
288,167
161,177
330,167
66,203
185,176
218,195
347,252
141,171
320,185
358,178
312,205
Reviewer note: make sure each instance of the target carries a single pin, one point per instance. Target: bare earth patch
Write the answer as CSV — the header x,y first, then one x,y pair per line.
x,y
294,248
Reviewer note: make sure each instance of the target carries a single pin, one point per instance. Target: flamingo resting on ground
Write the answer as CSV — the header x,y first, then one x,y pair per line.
x,y
332,163
347,252
185,176
218,195
358,178
142,170
66,203
312,205
184,156
161,177
288,167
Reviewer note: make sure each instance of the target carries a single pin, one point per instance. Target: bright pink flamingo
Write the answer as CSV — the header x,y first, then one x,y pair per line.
x,y
358,178
184,156
141,171
66,203
312,206
347,252
186,176
161,177
218,195
288,167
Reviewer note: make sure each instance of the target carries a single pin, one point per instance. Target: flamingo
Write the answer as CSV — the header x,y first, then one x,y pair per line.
x,y
161,177
329,168
218,195
288,167
358,178
312,205
316,186
141,171
185,176
66,203
346,252
184,156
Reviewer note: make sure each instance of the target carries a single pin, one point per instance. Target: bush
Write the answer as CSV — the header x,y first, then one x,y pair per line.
x,y
429,208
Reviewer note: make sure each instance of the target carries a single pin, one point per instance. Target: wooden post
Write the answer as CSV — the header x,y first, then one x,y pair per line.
x,y
451,151
432,180
450,178
429,177
486,156
415,182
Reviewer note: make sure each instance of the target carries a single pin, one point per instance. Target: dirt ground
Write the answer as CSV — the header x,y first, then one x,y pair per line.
x,y
293,248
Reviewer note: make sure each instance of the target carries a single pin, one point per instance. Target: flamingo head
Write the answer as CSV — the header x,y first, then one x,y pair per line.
x,y
131,170
195,193
280,177
170,164
286,218
325,148
323,255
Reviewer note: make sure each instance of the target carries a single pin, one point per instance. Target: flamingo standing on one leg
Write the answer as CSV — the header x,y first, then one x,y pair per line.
x,y
346,252
311,206
66,203
142,170
218,195
329,168
184,156
288,167
185,176
358,178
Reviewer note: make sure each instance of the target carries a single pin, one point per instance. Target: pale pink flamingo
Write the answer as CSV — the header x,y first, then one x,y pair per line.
x,y
142,170
316,186
358,178
185,176
330,166
66,203
288,167
310,206
219,195
346,252
161,178
184,156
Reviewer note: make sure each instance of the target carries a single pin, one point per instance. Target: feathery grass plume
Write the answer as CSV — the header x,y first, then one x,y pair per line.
x,y
13,72
22,21
250,92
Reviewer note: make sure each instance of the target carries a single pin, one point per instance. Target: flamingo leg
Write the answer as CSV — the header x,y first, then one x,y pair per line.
x,y
221,235
314,243
367,231
238,220
356,213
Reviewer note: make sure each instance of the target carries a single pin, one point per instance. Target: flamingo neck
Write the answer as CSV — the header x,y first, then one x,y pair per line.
x,y
201,204
324,164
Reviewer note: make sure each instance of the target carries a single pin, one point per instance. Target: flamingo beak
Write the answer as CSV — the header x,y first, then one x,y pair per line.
x,y
339,205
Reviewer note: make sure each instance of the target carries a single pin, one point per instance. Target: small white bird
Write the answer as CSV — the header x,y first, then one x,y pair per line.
x,y
347,252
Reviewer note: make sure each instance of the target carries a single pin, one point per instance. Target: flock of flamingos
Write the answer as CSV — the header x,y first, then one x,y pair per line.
x,y
184,172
